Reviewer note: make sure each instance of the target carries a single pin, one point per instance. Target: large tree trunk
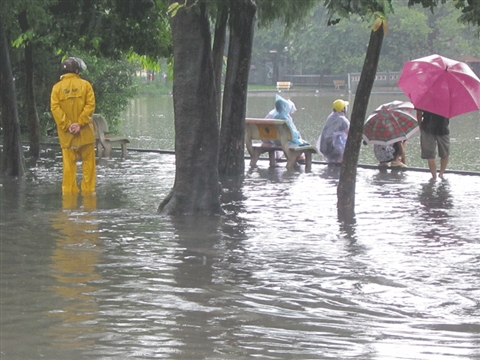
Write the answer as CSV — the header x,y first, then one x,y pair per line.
x,y
232,138
34,122
12,157
219,39
348,173
196,189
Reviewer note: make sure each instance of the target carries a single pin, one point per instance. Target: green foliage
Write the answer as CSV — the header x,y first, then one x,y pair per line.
x,y
470,9
145,61
175,6
363,8
470,12
407,38
113,27
23,38
93,30
291,14
321,49
114,84
46,73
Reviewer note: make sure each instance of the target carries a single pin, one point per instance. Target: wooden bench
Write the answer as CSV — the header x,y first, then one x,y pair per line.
x,y
285,85
339,84
105,142
258,133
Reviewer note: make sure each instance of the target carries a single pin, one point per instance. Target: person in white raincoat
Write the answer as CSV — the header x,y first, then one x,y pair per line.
x,y
332,140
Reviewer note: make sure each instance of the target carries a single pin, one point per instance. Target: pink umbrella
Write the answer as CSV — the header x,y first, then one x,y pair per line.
x,y
440,85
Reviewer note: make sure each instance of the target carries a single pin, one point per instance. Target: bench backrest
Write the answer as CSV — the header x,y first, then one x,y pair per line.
x,y
284,85
267,129
100,123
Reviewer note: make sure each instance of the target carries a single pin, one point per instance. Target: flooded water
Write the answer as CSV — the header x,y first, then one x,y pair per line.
x,y
276,277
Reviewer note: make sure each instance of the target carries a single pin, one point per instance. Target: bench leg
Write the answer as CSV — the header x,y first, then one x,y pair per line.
x,y
124,150
99,148
308,162
292,160
271,157
108,149
255,155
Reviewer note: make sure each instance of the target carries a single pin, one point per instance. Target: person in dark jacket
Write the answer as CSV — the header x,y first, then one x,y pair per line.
x,y
434,134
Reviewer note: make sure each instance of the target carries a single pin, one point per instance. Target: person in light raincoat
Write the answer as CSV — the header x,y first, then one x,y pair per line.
x,y
275,112
293,110
332,140
72,104
283,109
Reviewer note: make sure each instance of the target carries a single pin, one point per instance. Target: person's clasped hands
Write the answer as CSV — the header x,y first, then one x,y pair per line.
x,y
74,128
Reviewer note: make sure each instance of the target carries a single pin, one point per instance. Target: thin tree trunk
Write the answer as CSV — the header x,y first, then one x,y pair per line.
x,y
13,160
34,122
196,189
232,138
348,173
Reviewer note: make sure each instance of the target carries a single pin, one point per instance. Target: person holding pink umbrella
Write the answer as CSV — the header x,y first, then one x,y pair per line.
x,y
434,133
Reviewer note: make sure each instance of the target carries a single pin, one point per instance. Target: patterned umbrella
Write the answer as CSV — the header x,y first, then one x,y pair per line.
x,y
391,122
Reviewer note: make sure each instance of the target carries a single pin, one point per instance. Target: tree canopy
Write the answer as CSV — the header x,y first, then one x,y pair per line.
x,y
112,27
412,32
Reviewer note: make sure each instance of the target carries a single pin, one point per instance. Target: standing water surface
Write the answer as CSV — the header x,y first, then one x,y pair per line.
x,y
276,277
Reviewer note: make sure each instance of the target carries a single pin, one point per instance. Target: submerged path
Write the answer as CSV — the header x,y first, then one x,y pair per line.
x,y
365,166
316,162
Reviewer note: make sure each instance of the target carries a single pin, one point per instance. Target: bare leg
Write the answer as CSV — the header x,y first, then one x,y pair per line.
x,y
402,156
432,165
443,166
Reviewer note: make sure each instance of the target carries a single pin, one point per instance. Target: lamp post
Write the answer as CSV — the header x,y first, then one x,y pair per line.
x,y
274,56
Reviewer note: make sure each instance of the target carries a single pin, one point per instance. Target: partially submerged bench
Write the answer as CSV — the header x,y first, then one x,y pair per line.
x,y
259,133
285,85
105,142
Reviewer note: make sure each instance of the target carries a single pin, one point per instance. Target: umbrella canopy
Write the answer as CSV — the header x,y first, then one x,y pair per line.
x,y
440,85
391,122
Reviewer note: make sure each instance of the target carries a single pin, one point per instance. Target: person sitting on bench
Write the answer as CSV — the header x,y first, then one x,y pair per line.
x,y
283,110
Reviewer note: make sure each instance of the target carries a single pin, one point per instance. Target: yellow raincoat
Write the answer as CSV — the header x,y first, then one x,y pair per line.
x,y
73,101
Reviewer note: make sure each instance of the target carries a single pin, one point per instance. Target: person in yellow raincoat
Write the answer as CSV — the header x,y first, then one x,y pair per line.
x,y
72,104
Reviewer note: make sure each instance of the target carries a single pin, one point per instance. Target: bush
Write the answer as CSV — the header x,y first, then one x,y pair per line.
x,y
114,84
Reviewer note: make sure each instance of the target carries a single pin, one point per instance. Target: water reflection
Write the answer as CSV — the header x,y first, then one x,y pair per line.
x,y
389,183
199,240
332,173
275,174
436,203
74,262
